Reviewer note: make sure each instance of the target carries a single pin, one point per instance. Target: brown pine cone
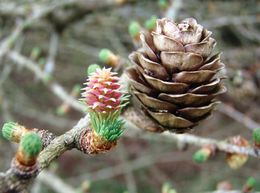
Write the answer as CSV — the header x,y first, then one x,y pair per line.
x,y
175,77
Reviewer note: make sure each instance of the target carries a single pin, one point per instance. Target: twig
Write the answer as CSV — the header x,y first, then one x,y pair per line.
x,y
228,191
220,145
57,147
238,116
131,184
53,50
235,20
62,143
47,118
55,183
53,86
141,162
37,186
173,11
37,14
143,122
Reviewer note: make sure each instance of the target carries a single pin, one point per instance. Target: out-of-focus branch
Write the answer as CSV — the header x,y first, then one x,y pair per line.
x,y
33,17
135,117
220,145
235,20
53,50
131,183
173,11
238,116
55,183
227,191
53,86
138,163
59,22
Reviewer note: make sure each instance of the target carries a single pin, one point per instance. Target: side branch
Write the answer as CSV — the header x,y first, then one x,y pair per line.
x,y
141,121
9,181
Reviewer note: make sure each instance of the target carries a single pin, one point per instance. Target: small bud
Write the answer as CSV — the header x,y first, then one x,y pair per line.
x,y
163,4
13,131
134,29
256,137
42,62
92,68
201,155
204,153
108,57
62,110
250,184
151,23
75,90
35,53
235,160
238,78
29,148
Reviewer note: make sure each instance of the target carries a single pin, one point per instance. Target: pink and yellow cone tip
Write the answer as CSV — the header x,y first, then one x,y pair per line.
x,y
102,93
104,101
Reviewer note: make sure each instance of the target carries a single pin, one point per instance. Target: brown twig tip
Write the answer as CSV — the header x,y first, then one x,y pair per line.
x,y
91,143
235,160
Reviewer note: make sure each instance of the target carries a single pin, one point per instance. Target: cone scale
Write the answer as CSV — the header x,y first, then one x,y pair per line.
x,y
175,74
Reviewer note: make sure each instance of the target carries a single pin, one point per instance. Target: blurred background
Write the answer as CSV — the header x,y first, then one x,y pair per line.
x,y
46,47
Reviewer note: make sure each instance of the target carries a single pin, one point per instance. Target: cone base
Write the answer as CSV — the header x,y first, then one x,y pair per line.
x,y
91,143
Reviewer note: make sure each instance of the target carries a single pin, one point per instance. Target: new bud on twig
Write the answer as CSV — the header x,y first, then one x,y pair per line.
x,y
163,4
24,166
134,30
151,23
250,184
108,57
235,160
92,68
256,137
203,154
29,148
35,53
13,131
